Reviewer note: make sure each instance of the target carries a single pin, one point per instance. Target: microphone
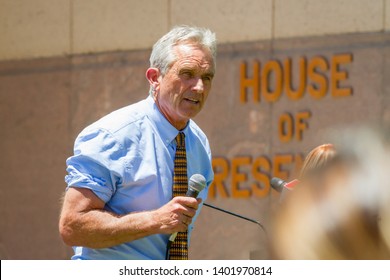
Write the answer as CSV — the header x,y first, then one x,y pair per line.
x,y
196,184
279,185
283,187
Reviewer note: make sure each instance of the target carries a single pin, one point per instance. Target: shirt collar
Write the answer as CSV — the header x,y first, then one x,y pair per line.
x,y
166,130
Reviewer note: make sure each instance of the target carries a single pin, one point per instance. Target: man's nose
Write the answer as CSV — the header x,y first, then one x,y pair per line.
x,y
198,85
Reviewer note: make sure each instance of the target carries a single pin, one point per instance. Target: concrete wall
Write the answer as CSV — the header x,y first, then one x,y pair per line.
x,y
34,117
45,28
66,63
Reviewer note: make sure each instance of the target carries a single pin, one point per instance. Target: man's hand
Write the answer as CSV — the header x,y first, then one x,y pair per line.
x,y
176,215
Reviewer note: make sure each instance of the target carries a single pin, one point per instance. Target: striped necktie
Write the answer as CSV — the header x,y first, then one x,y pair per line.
x,y
179,248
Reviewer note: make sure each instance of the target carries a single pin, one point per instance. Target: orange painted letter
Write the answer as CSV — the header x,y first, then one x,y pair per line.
x,y
238,177
246,83
221,172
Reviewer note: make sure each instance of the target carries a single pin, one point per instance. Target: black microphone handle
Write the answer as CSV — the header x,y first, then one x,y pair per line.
x,y
236,215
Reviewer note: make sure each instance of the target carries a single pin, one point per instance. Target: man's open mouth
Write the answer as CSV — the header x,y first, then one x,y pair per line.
x,y
194,101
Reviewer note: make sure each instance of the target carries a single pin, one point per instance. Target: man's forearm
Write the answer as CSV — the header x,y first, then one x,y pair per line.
x,y
101,229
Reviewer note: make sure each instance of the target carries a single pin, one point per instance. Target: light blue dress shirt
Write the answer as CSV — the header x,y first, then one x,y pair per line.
x,y
127,159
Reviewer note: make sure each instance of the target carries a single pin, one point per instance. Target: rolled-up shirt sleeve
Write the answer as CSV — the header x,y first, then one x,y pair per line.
x,y
94,165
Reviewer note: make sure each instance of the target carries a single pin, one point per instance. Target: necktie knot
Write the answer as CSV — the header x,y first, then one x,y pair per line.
x,y
180,142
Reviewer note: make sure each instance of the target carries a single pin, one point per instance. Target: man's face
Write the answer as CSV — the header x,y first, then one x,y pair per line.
x,y
183,90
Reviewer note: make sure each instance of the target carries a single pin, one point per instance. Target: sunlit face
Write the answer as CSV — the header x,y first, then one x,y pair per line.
x,y
183,90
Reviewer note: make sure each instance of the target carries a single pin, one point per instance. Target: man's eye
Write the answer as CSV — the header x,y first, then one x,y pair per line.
x,y
207,78
187,74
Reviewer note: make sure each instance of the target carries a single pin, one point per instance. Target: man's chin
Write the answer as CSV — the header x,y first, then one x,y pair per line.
x,y
191,112
190,115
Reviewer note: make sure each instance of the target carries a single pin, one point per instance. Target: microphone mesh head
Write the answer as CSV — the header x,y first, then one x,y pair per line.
x,y
277,184
197,182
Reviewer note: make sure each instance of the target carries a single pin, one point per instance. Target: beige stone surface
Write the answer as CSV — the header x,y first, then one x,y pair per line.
x,y
233,21
34,116
34,28
46,28
117,25
308,17
387,15
105,82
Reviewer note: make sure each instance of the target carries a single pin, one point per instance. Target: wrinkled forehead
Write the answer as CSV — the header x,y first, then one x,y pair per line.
x,y
194,50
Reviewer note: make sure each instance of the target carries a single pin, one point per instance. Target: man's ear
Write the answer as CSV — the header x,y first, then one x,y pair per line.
x,y
153,74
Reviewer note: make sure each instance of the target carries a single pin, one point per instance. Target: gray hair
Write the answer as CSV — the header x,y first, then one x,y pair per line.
x,y
162,56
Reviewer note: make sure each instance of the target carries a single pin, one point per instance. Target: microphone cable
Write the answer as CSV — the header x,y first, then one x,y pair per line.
x,y
236,215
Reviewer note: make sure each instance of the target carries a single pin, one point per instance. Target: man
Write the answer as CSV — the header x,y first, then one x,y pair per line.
x,y
120,201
